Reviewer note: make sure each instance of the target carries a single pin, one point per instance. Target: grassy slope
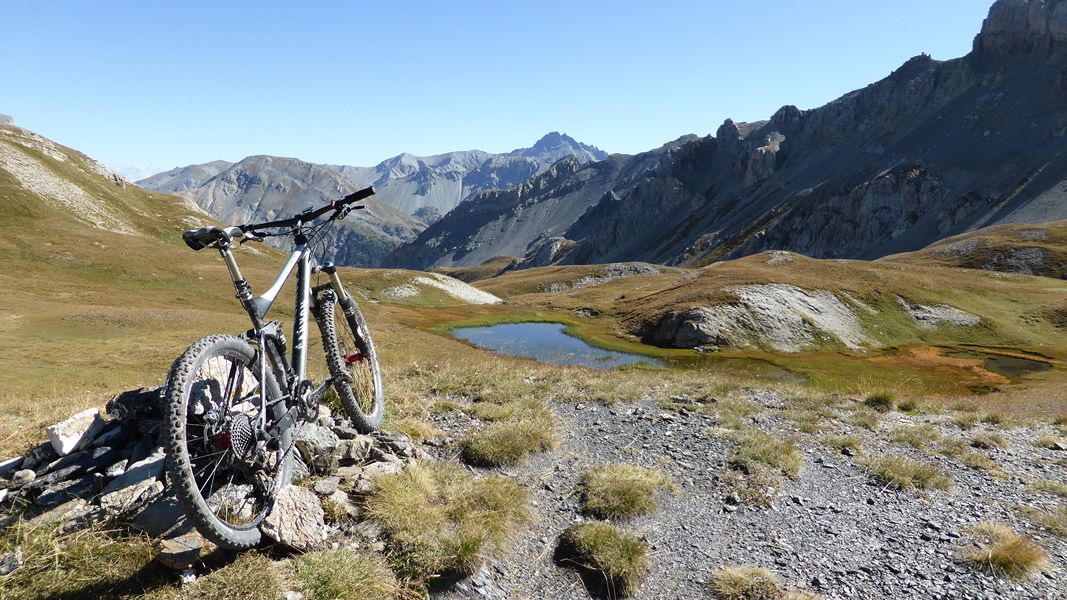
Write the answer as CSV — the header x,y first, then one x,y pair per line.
x,y
987,249
87,311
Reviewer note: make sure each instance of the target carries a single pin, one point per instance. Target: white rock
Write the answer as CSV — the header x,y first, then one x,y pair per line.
x,y
297,520
75,433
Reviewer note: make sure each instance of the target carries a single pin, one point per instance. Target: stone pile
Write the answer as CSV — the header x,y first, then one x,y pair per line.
x,y
108,468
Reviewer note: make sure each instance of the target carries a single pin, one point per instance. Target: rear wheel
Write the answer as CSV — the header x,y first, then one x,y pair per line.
x,y
225,469
352,361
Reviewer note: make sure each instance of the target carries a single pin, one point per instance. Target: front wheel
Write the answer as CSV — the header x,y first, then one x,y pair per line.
x,y
225,465
353,363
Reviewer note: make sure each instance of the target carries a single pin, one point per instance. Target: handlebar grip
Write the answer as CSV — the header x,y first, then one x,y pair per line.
x,y
366,192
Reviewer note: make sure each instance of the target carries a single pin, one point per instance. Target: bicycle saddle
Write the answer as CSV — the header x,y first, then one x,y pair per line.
x,y
198,239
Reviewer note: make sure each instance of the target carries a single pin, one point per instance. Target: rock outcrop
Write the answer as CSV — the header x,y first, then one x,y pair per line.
x,y
1021,26
111,471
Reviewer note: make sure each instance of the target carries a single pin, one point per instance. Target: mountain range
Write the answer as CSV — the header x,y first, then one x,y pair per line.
x,y
935,149
412,191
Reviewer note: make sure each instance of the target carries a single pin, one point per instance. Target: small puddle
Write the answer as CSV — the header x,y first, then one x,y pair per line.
x,y
1011,367
548,343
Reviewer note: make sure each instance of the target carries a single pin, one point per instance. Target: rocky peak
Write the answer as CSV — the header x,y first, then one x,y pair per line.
x,y
556,145
1023,26
6,120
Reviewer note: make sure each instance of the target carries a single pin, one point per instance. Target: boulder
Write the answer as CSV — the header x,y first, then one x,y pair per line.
x,y
76,432
318,446
297,520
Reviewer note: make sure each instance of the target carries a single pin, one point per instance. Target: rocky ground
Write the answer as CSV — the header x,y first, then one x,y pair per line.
x,y
833,531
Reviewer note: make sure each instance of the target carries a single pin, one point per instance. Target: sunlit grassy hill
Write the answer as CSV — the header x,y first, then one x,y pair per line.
x,y
1018,248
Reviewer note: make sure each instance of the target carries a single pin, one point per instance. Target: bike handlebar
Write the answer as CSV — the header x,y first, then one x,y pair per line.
x,y
311,215
199,239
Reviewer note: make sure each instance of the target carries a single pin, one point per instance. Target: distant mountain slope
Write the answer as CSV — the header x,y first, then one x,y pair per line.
x,y
180,179
935,149
419,189
261,188
1012,248
530,215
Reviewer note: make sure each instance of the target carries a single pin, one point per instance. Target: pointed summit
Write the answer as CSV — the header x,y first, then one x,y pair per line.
x,y
555,145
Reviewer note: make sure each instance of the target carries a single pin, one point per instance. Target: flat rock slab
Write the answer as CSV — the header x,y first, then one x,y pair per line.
x,y
297,520
139,480
181,552
76,432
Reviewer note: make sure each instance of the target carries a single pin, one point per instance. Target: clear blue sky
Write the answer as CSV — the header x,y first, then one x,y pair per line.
x,y
145,86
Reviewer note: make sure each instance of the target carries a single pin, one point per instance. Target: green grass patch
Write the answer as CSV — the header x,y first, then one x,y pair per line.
x,y
608,556
621,490
442,520
250,576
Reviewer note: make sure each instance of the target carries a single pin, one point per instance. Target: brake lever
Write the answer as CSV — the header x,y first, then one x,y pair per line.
x,y
250,236
343,212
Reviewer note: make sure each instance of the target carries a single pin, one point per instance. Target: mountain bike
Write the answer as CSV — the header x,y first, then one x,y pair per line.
x,y
231,401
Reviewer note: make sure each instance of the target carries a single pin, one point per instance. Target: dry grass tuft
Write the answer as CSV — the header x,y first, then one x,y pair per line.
x,y
442,520
965,420
745,583
250,576
882,402
841,442
866,418
916,436
905,474
507,442
988,441
621,490
755,448
1054,520
1046,441
1003,552
343,574
607,555
1049,486
980,461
